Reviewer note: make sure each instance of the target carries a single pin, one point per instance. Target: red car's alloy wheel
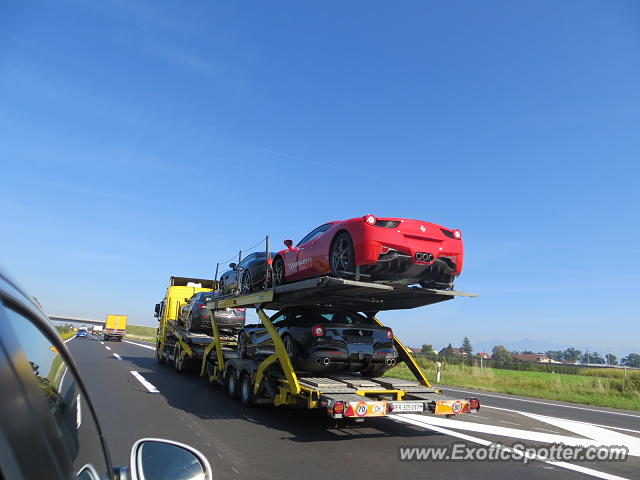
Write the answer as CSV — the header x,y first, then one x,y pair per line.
x,y
342,254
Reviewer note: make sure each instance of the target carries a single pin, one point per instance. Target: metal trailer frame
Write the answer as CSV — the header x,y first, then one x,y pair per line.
x,y
341,395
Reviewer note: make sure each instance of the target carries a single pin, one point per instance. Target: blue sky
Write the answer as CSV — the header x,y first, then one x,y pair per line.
x,y
148,139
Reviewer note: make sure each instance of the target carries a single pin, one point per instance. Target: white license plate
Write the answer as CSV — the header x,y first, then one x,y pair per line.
x,y
408,407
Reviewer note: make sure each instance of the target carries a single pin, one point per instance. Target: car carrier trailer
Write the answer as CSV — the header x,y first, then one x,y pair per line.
x,y
273,380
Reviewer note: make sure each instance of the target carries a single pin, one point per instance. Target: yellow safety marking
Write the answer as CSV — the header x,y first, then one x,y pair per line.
x,y
293,386
398,393
243,300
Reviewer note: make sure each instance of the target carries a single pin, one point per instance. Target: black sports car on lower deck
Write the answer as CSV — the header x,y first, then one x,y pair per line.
x,y
324,340
251,271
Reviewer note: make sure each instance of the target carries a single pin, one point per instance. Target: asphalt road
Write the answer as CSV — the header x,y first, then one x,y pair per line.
x,y
273,443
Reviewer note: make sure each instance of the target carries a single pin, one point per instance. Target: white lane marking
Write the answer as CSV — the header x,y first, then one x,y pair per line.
x,y
101,343
481,441
62,377
78,412
605,437
543,403
117,356
144,382
69,339
597,437
107,347
544,430
510,423
150,347
568,419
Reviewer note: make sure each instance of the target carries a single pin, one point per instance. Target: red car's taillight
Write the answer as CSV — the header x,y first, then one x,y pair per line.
x,y
389,334
318,331
457,234
369,219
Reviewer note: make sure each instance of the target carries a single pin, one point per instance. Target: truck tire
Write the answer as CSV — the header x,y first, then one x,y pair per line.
x,y
231,383
246,390
178,361
159,354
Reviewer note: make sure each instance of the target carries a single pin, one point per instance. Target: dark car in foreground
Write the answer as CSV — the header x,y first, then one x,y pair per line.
x,y
324,340
48,426
252,272
195,317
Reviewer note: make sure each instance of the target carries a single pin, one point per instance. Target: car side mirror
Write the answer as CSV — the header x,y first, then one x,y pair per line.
x,y
233,266
159,459
289,244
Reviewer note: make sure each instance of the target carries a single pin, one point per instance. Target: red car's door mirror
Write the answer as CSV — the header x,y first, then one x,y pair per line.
x,y
289,244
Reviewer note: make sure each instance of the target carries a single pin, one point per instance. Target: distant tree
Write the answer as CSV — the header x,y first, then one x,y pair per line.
x,y
571,355
632,360
501,354
527,352
427,349
466,346
611,359
448,351
593,358
555,355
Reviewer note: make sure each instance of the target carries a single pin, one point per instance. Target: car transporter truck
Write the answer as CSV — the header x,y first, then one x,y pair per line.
x,y
273,380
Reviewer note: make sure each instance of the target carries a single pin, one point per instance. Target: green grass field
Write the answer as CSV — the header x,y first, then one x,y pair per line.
x,y
65,333
601,387
140,332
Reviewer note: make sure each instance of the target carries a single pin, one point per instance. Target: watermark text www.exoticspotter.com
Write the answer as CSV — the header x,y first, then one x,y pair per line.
x,y
519,452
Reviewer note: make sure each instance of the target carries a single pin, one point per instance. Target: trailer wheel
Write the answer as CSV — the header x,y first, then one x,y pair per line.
x,y
159,354
231,382
246,390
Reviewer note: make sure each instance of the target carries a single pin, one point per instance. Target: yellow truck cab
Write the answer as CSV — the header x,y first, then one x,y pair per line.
x,y
114,327
179,291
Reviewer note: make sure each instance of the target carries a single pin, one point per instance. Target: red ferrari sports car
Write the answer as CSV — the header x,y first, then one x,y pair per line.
x,y
394,250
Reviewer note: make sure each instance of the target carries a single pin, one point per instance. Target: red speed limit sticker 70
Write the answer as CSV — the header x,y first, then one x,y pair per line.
x,y
366,409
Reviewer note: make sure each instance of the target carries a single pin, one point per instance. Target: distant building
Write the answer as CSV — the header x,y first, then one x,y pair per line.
x,y
534,358
484,355
456,352
419,350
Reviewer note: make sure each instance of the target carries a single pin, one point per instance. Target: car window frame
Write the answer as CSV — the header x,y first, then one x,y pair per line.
x,y
248,259
12,296
316,232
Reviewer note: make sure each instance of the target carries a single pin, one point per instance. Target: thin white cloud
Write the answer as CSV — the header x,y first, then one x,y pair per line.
x,y
184,58
322,164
